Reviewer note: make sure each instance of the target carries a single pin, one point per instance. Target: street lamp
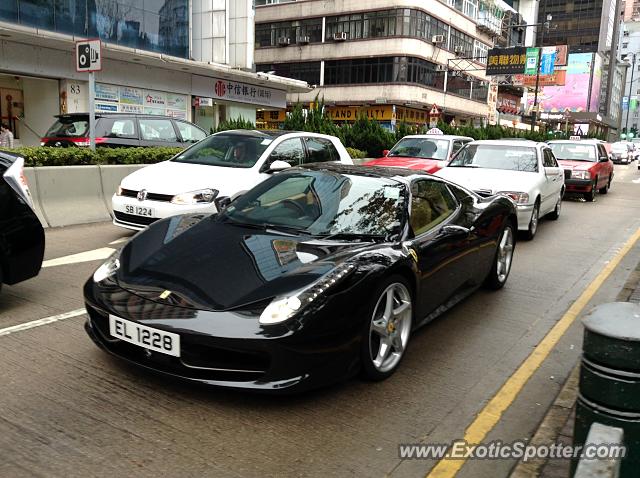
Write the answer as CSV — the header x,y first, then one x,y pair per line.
x,y
545,27
534,119
633,69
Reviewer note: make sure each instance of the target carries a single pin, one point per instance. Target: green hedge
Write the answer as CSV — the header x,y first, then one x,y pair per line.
x,y
47,156
356,153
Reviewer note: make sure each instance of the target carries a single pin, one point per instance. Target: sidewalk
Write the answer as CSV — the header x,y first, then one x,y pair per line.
x,y
557,425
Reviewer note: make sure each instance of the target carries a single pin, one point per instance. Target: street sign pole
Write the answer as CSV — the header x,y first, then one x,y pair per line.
x,y
89,60
92,111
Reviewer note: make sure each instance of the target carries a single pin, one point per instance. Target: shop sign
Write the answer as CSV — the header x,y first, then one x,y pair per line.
x,y
506,61
107,107
106,92
176,102
131,96
531,67
237,91
275,116
136,109
154,99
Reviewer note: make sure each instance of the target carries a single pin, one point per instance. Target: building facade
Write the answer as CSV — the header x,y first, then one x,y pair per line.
x,y
630,10
630,51
591,31
392,60
191,59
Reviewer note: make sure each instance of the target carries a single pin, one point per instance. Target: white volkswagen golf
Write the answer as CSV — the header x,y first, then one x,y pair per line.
x,y
222,165
525,171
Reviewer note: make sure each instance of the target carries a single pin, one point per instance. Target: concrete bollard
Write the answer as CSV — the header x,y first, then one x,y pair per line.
x,y
605,468
610,378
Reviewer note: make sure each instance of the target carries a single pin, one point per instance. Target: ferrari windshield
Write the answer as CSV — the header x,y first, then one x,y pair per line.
x,y
322,203
230,150
497,156
424,148
574,151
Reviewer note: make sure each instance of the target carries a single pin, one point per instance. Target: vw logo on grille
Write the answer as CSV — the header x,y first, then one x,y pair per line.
x,y
142,195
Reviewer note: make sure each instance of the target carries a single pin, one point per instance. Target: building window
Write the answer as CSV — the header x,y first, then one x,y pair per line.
x,y
160,26
284,33
480,52
625,45
406,23
305,71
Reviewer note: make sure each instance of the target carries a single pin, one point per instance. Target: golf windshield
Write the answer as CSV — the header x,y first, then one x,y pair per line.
x,y
574,152
494,156
230,150
424,148
322,203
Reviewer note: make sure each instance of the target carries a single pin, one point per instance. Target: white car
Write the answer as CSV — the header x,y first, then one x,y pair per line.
x,y
622,152
223,165
525,171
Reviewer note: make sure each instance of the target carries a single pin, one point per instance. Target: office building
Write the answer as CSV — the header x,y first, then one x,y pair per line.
x,y
390,60
191,59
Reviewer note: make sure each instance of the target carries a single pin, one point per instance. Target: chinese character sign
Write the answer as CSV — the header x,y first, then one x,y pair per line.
x,y
506,61
247,93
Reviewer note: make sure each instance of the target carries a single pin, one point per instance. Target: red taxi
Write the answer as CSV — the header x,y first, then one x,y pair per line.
x,y
426,152
587,166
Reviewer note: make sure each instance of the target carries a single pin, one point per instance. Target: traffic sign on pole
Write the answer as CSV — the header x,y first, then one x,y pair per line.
x,y
89,59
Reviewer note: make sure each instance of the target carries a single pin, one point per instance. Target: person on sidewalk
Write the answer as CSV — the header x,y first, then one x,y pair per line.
x,y
6,137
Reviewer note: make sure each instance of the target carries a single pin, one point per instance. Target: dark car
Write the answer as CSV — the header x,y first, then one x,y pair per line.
x,y
21,234
122,130
306,279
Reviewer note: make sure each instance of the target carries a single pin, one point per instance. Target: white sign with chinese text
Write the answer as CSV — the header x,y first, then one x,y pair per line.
x,y
246,93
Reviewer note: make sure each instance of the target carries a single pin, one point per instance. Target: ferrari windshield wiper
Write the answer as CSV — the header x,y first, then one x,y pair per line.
x,y
264,226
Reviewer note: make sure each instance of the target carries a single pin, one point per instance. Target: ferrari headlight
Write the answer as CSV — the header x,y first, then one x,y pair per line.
x,y
286,306
580,174
108,269
201,196
518,197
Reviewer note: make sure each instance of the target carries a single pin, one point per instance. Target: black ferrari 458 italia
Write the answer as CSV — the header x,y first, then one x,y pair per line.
x,y
306,279
21,234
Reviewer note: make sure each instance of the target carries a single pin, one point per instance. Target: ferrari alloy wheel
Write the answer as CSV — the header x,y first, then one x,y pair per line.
x,y
388,331
499,274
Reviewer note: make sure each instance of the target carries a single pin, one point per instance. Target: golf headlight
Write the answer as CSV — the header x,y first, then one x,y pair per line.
x,y
108,269
581,174
518,197
119,191
201,196
284,307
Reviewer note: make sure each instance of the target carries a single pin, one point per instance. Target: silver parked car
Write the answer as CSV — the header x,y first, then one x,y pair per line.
x,y
525,171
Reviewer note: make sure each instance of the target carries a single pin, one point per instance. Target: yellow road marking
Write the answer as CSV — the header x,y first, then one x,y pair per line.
x,y
491,413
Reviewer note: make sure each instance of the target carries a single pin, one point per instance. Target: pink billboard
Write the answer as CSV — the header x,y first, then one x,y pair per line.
x,y
574,95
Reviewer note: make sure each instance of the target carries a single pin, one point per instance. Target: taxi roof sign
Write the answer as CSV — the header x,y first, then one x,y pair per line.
x,y
575,138
435,131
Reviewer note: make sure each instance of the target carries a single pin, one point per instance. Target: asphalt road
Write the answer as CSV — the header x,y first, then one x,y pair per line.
x,y
67,409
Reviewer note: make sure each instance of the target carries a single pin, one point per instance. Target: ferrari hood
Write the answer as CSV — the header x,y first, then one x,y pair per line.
x,y
173,178
212,265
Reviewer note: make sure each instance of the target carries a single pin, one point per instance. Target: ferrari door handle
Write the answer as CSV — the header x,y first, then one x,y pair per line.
x,y
453,231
